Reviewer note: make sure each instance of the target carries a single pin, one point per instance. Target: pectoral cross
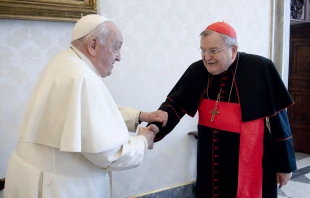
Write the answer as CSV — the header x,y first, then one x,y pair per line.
x,y
215,111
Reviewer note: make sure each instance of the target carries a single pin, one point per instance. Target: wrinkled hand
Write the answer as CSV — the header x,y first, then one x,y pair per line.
x,y
155,116
148,134
283,178
153,128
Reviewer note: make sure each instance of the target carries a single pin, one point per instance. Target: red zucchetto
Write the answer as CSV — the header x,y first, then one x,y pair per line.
x,y
223,28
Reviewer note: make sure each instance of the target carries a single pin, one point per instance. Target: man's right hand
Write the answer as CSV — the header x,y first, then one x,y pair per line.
x,y
149,134
153,128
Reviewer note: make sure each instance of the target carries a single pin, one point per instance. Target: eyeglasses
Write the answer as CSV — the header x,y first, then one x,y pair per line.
x,y
213,50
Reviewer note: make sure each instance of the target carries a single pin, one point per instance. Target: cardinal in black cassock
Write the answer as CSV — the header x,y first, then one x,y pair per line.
x,y
244,140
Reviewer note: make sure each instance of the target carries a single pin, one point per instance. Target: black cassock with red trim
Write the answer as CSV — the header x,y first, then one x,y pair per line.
x,y
229,159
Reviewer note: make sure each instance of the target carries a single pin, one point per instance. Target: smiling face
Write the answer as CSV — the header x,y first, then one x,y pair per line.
x,y
219,62
105,50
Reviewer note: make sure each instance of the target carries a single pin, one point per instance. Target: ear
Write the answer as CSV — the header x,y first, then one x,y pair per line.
x,y
92,45
234,51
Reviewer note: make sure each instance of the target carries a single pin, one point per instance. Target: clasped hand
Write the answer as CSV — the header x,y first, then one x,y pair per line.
x,y
149,134
155,116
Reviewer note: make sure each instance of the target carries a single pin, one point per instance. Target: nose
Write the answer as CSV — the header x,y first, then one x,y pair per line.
x,y
118,57
206,56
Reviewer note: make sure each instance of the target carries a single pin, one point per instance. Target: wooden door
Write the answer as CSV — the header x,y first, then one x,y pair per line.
x,y
299,86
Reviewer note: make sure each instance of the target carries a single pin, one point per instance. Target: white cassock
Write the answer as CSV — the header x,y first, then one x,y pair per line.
x,y
72,134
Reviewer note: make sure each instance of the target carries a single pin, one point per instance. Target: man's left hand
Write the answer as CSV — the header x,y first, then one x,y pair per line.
x,y
153,128
283,178
155,116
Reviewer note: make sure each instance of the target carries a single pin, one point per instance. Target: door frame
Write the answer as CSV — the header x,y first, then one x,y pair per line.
x,y
280,37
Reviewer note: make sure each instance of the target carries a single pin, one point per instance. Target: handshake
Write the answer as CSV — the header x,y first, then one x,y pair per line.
x,y
150,131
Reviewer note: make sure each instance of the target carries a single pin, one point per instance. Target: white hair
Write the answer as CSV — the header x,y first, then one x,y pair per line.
x,y
227,39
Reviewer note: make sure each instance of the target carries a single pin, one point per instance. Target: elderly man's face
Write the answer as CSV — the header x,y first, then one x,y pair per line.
x,y
108,53
217,57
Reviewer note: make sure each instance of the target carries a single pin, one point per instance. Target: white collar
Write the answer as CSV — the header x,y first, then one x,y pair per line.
x,y
85,59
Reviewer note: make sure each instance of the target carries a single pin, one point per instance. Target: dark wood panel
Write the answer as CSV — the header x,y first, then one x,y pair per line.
x,y
301,130
300,112
301,144
300,31
303,59
300,51
299,86
301,139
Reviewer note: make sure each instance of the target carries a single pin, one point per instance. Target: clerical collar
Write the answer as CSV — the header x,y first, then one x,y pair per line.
x,y
85,59
233,65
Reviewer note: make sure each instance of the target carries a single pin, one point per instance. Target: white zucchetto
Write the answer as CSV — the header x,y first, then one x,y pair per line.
x,y
86,24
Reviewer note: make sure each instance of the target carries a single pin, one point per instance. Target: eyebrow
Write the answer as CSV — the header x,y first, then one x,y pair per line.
x,y
117,43
209,48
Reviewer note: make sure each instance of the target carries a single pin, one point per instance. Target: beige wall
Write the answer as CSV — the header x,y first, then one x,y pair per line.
x,y
161,39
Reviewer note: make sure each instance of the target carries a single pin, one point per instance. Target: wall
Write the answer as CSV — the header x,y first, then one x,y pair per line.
x,y
161,39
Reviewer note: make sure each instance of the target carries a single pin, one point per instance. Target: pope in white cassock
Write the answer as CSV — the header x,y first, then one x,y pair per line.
x,y
73,133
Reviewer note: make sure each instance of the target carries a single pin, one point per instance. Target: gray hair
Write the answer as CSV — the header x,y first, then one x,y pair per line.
x,y
227,39
101,32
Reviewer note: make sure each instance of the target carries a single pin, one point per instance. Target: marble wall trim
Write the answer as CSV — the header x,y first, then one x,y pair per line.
x,y
184,190
280,37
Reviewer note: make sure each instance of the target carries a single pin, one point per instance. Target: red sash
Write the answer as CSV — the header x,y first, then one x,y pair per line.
x,y
251,143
